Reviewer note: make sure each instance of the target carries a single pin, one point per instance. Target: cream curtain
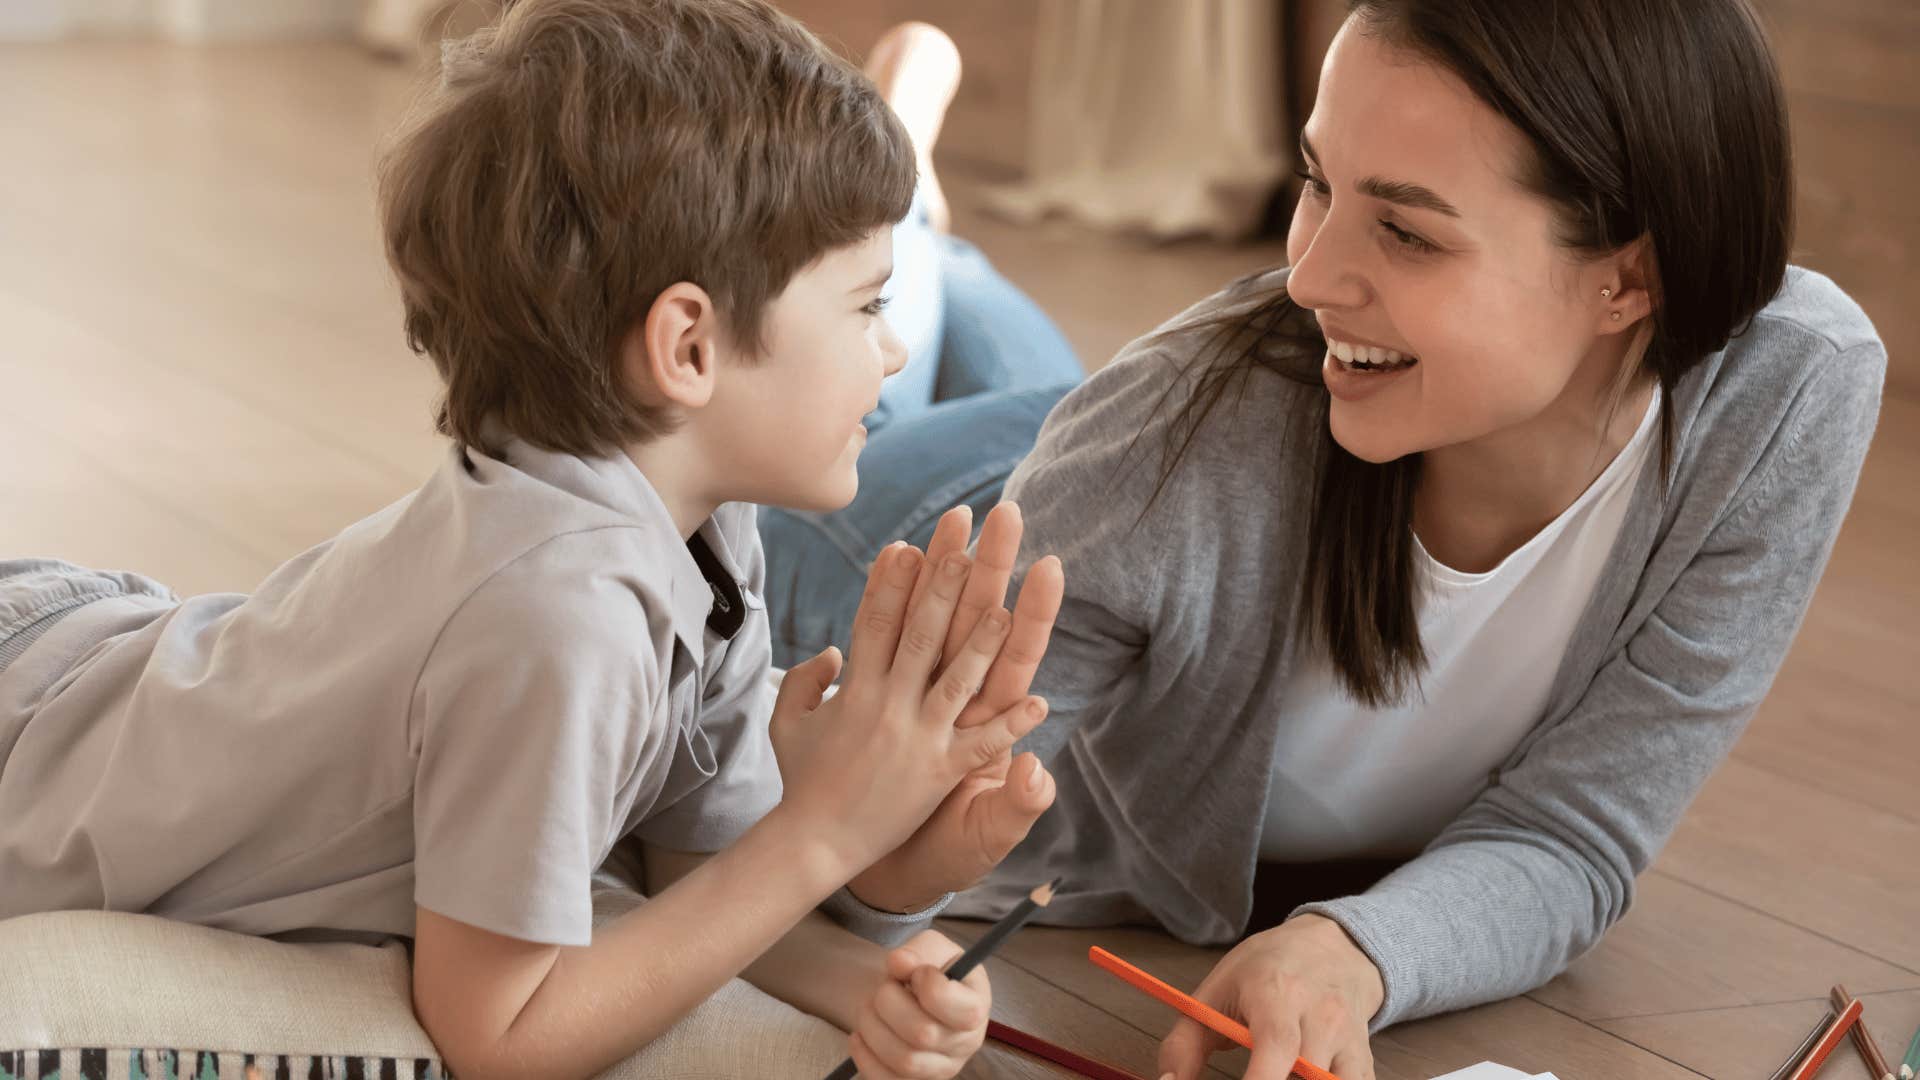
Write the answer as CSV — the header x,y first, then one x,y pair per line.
x,y
1155,117
403,27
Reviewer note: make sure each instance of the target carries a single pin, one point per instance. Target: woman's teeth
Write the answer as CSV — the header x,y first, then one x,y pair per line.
x,y
1368,358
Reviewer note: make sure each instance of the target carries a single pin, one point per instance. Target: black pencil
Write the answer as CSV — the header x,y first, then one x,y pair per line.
x,y
972,958
1812,1037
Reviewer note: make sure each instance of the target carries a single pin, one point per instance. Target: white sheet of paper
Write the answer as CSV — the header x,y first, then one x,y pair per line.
x,y
1487,1070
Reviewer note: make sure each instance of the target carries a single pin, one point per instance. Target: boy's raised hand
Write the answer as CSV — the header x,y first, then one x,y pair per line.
x,y
919,1023
861,772
992,809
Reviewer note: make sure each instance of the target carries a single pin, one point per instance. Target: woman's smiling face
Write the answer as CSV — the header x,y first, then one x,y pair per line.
x,y
1416,237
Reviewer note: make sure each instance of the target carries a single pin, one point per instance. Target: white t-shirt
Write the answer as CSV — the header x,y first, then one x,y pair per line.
x,y
1351,781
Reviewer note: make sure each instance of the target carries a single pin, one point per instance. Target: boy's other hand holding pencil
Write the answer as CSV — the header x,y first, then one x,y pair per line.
x,y
992,809
919,1023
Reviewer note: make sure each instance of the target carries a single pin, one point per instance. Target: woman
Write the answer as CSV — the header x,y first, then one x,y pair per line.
x,y
1465,546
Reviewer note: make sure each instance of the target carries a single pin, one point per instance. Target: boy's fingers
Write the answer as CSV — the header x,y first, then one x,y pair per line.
x,y
877,625
930,947
888,1041
949,535
866,1061
961,681
917,1030
901,963
876,577
993,558
1033,617
803,686
957,1005
925,628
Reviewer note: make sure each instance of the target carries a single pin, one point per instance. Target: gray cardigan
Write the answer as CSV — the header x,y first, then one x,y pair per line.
x,y
1176,640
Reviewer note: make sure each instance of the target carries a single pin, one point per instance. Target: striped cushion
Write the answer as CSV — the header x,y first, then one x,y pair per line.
x,y
99,1063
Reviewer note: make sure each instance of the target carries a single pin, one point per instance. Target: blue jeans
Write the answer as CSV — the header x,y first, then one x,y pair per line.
x,y
985,366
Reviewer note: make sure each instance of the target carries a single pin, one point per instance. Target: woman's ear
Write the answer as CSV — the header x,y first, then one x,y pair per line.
x,y
669,357
1630,286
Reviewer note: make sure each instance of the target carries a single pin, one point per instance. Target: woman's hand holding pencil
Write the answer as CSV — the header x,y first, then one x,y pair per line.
x,y
1305,991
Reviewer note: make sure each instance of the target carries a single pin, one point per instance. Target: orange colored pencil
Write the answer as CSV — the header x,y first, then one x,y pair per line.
x,y
1197,1011
1836,1031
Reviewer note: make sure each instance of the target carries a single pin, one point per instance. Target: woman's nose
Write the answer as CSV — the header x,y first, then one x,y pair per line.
x,y
1329,274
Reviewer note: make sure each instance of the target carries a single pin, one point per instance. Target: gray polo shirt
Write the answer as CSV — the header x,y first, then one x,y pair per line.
x,y
461,701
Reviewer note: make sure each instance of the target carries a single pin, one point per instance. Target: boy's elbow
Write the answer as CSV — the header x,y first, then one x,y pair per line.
x,y
466,1051
471,988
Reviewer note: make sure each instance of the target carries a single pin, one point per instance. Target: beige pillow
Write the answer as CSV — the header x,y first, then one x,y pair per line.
x,y
109,995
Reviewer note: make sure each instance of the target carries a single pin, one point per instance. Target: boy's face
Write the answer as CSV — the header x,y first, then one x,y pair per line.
x,y
790,421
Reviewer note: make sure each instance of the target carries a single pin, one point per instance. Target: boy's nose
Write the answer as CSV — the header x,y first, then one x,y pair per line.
x,y
893,352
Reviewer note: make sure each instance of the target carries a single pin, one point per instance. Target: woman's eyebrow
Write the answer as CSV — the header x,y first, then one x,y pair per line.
x,y
1399,192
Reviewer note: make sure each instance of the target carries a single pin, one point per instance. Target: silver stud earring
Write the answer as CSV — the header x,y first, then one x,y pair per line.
x,y
1616,316
1604,293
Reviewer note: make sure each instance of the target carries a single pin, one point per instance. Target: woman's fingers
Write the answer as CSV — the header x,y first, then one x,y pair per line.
x,y
1275,1049
980,746
1033,616
1355,1062
1327,1029
1333,1037
1185,1050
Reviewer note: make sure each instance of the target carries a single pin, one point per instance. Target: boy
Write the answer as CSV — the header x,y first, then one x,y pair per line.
x,y
643,243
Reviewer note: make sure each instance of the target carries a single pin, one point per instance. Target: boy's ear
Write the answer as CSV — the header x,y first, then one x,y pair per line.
x,y
669,357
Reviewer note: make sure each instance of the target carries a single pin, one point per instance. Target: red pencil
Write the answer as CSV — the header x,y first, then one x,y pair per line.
x,y
1197,1011
1836,1031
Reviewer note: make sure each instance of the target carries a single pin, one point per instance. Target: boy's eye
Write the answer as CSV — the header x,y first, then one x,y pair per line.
x,y
1311,184
878,305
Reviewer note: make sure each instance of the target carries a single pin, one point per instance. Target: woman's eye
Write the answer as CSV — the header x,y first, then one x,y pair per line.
x,y
1311,184
1406,239
878,305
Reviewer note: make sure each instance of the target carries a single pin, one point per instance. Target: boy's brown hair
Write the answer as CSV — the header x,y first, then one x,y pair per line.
x,y
581,156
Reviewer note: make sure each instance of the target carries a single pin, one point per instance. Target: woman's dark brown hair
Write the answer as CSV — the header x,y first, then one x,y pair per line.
x,y
1646,118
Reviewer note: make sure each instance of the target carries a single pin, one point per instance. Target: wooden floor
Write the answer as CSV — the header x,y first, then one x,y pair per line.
x,y
201,372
